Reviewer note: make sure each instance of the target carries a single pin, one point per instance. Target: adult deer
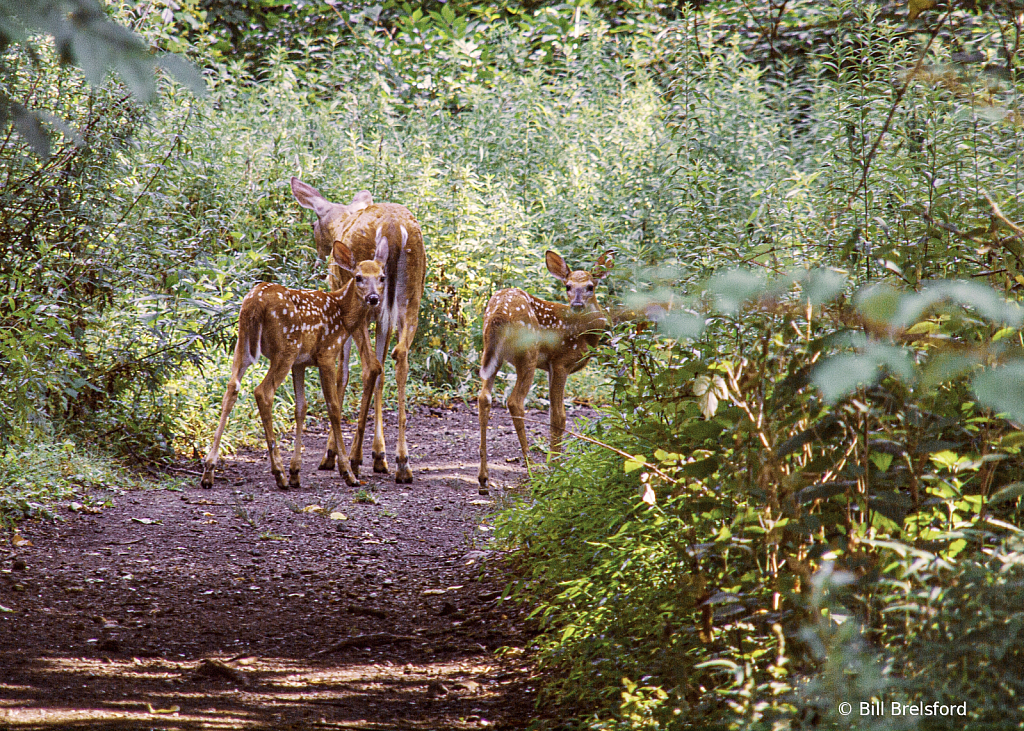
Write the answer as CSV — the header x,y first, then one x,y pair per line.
x,y
531,333
296,328
357,225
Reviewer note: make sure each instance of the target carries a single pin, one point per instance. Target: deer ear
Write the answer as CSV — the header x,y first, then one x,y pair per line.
x,y
604,265
556,265
380,254
344,257
309,197
362,199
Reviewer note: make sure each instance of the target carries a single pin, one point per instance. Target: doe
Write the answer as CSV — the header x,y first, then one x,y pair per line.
x,y
534,333
358,224
296,328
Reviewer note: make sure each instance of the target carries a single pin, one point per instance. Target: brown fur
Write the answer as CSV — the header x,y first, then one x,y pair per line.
x,y
357,225
296,328
533,333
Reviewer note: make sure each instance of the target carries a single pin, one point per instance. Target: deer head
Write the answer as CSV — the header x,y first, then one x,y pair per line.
x,y
368,276
580,285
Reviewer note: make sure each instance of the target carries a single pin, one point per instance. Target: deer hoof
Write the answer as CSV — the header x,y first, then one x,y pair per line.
x,y
403,475
380,463
483,485
327,463
293,478
207,481
351,480
355,465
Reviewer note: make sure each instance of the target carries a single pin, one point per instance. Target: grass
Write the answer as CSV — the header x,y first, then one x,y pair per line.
x,y
36,477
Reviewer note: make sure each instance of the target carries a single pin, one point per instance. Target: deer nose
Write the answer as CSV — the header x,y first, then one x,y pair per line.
x,y
372,300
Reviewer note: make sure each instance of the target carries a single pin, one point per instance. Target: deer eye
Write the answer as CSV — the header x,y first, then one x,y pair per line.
x,y
590,287
381,279
568,287
359,278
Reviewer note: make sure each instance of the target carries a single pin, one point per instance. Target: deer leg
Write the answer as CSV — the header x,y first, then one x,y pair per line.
x,y
484,408
346,351
299,382
362,337
556,395
227,403
372,370
244,357
327,463
329,381
379,451
526,364
403,475
264,394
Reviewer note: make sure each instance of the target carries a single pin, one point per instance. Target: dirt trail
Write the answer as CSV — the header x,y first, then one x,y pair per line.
x,y
246,607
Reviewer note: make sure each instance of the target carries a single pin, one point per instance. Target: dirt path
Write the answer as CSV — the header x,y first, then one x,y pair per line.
x,y
248,607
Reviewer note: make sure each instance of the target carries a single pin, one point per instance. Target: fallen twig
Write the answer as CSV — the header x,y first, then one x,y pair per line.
x,y
377,638
184,470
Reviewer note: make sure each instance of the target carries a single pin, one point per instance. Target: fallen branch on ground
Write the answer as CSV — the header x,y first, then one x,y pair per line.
x,y
377,638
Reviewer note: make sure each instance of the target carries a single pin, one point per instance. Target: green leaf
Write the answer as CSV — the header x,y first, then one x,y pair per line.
x,y
1009,492
842,374
881,460
824,490
30,127
183,72
823,285
878,303
1002,389
632,465
982,298
945,366
681,325
956,547
735,288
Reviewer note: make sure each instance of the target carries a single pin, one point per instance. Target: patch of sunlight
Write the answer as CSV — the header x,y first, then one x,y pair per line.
x,y
169,694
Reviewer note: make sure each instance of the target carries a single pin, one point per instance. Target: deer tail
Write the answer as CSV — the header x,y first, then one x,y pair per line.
x,y
490,361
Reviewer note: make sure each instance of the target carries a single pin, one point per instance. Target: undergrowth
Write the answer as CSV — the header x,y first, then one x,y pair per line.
x,y
35,479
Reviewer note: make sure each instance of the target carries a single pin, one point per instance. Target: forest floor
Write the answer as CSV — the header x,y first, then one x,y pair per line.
x,y
245,606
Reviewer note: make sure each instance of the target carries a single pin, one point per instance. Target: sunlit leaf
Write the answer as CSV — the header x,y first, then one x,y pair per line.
x,y
881,460
632,465
709,390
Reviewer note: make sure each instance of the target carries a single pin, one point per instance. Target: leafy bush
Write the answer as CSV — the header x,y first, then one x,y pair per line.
x,y
690,571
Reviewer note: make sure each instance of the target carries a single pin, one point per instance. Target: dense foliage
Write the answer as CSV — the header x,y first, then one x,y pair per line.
x,y
805,486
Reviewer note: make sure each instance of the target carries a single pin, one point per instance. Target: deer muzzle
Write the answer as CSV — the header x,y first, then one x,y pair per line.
x,y
373,299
